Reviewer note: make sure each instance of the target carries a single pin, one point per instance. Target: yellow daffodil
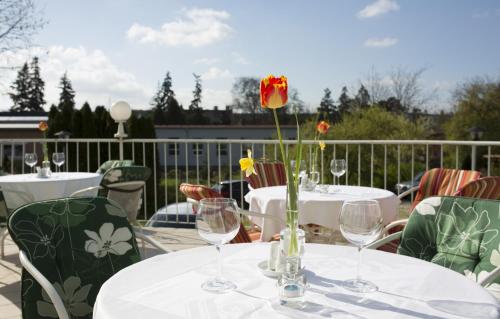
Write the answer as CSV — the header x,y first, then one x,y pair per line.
x,y
246,164
322,145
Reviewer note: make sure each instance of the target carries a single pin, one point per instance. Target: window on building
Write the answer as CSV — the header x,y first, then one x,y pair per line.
x,y
222,147
198,149
173,149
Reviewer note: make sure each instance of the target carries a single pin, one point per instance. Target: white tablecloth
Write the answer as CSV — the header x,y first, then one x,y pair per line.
x,y
168,286
58,185
314,207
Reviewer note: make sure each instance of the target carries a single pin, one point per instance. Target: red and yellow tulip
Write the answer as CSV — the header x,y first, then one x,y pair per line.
x,y
42,126
273,92
322,127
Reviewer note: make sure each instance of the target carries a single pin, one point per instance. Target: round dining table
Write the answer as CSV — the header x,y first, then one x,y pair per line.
x,y
58,185
169,286
321,208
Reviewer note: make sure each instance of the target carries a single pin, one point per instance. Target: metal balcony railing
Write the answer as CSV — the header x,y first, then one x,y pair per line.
x,y
374,163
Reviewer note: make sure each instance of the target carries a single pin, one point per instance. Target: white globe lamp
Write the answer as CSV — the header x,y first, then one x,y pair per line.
x,y
120,112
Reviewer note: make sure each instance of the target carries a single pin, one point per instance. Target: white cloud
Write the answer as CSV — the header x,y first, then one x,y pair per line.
x,y
198,27
381,42
206,61
209,97
214,73
94,76
239,59
377,8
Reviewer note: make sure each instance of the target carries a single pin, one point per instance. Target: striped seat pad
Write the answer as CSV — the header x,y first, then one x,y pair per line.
x,y
267,174
485,188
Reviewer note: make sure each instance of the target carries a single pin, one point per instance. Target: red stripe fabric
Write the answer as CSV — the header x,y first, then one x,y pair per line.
x,y
485,188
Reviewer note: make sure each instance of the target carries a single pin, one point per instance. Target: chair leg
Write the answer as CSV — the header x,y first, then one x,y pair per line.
x,y
3,235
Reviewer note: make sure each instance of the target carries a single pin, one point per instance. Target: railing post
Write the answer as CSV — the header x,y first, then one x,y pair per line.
x,y
473,157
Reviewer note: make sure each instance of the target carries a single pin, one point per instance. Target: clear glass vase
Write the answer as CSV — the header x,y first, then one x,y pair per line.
x,y
44,171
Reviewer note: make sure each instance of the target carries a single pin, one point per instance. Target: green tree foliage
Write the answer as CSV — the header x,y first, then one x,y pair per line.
x,y
195,111
66,104
371,123
21,90
327,109
36,88
477,105
362,99
166,109
246,95
345,102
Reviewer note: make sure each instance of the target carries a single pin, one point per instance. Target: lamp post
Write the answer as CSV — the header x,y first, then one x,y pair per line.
x,y
120,112
475,133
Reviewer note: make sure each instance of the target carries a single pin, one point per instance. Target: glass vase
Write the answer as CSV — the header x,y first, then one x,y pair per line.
x,y
44,171
292,282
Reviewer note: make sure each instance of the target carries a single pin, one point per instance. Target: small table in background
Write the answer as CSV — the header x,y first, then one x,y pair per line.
x,y
315,207
58,185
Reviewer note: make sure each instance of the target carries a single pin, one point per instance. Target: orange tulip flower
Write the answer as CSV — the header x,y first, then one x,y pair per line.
x,y
322,127
273,92
42,126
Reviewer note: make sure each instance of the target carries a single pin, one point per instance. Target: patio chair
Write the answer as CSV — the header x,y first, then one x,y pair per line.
x,y
5,212
268,174
124,185
435,182
459,233
485,187
68,248
113,163
195,193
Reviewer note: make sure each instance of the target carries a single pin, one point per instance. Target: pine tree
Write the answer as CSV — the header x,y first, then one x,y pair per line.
x,y
88,125
345,102
362,99
174,113
196,102
66,102
327,108
162,98
21,93
36,88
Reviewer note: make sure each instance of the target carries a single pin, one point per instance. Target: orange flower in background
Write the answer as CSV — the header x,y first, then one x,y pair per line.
x,y
322,127
42,126
273,92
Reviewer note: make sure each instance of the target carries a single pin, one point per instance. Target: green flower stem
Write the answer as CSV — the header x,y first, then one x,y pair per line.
x,y
45,151
291,215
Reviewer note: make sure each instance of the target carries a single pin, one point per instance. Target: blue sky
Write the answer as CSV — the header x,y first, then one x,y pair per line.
x,y
121,49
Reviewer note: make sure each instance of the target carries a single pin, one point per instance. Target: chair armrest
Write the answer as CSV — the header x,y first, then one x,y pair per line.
x,y
408,192
255,214
46,285
400,222
151,241
85,190
384,240
490,278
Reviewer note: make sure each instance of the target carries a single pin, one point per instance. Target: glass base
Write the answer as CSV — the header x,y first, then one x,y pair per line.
x,y
219,286
359,285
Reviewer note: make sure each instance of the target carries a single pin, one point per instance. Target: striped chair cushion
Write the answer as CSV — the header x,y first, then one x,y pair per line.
x,y
485,188
199,192
268,174
443,182
435,182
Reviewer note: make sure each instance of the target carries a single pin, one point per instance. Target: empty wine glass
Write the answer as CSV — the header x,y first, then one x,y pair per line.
x,y
218,221
338,168
30,159
302,167
360,224
58,159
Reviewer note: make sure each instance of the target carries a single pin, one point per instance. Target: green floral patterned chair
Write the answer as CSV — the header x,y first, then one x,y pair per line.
x,y
459,233
124,185
69,248
113,163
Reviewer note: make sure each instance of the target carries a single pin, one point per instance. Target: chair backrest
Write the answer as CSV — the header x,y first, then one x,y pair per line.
x,y
268,174
459,233
124,185
113,163
485,187
77,244
199,192
443,182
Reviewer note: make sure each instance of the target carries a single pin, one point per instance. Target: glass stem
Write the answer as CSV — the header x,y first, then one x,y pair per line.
x,y
358,266
218,276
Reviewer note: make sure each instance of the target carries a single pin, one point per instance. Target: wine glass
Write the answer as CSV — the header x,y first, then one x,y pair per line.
x,y
302,167
218,221
30,159
338,168
58,159
360,224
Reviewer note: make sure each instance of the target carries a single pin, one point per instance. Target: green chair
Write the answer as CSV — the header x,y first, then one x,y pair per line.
x,y
113,163
123,185
68,248
458,233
